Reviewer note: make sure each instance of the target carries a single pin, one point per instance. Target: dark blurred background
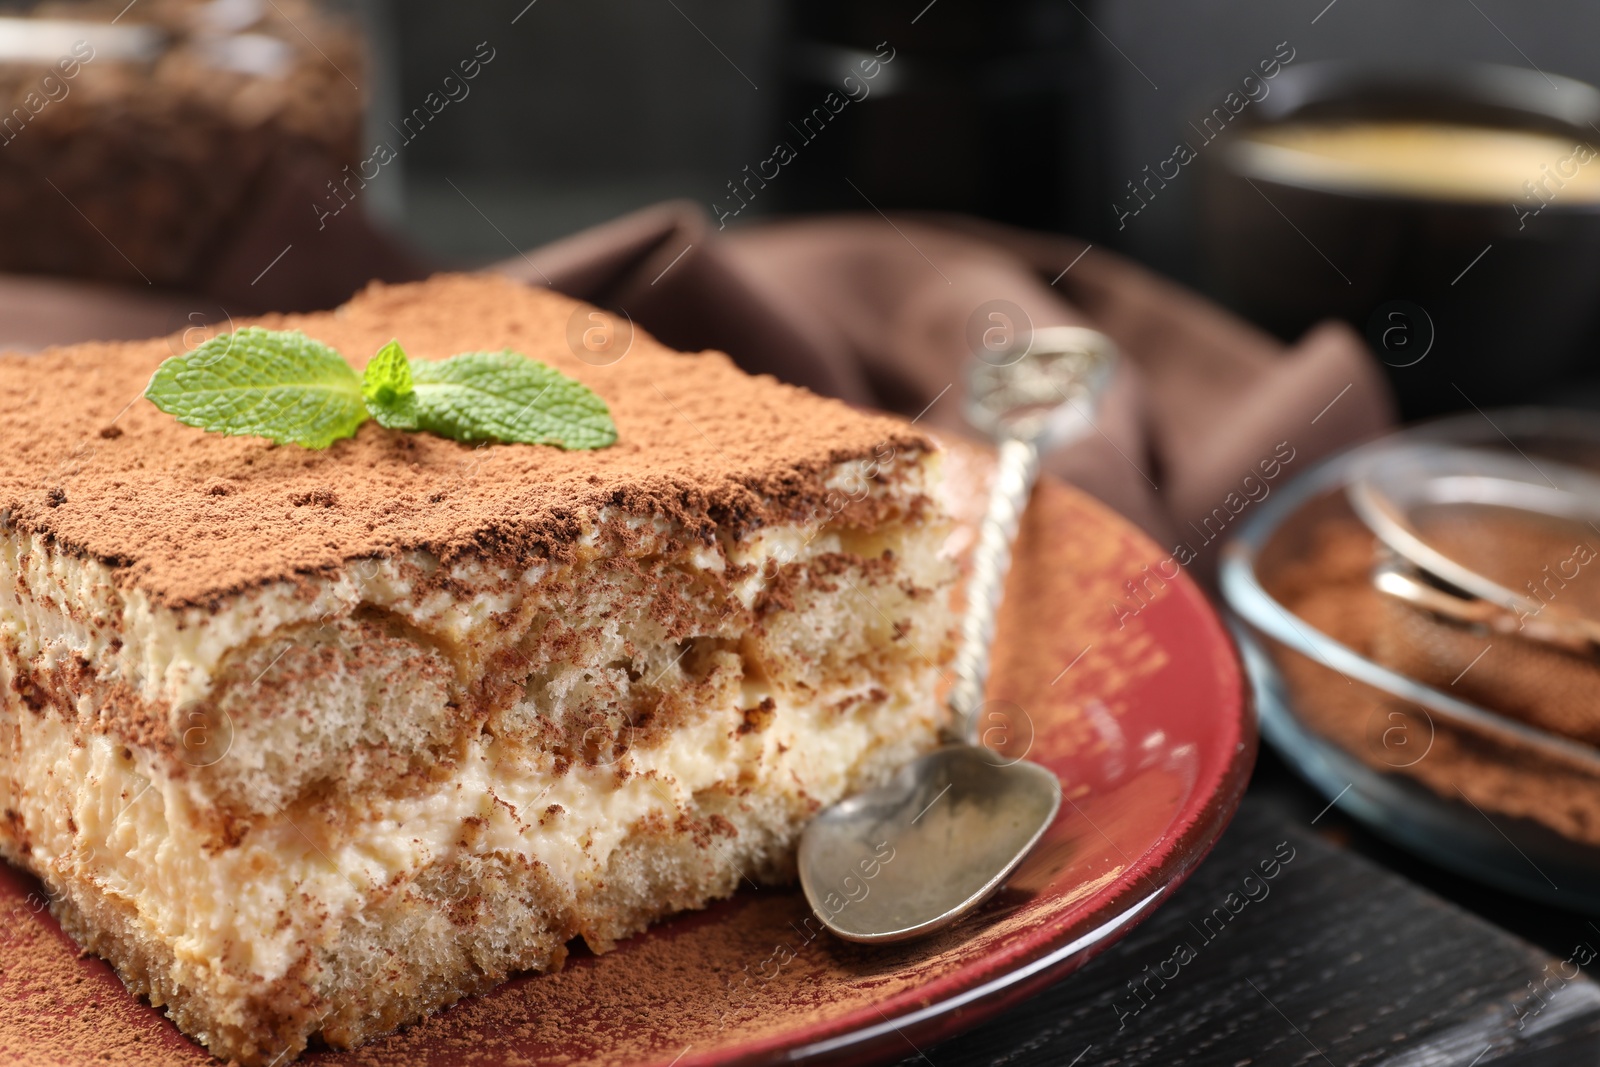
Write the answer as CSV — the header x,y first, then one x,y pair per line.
x,y
206,137
1036,112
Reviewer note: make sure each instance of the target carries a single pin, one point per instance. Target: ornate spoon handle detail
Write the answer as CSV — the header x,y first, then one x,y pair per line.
x,y
1028,402
991,560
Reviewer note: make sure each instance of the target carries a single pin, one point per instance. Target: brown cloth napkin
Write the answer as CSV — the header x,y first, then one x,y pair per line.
x,y
876,310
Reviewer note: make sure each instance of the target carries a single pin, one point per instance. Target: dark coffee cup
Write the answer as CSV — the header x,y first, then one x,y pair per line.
x,y
1468,298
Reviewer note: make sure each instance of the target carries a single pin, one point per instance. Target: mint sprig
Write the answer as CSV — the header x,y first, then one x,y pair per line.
x,y
388,388
262,383
289,388
487,396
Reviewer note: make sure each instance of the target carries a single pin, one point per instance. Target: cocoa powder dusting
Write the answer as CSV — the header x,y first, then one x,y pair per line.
x,y
749,968
190,517
61,1008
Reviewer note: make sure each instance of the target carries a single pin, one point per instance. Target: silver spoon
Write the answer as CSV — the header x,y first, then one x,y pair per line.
x,y
1397,482
914,855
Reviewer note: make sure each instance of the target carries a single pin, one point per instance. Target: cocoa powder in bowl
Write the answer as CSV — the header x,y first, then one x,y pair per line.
x,y
1550,561
1329,586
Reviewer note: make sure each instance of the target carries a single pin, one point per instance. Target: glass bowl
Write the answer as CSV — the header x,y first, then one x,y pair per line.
x,y
1476,792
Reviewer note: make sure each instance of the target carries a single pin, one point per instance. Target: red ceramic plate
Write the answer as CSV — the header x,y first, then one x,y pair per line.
x,y
1147,723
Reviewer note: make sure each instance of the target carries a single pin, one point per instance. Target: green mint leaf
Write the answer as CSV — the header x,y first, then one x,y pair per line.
x,y
276,384
507,397
387,387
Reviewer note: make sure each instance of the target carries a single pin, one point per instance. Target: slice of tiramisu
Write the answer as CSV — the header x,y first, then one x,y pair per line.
x,y
308,743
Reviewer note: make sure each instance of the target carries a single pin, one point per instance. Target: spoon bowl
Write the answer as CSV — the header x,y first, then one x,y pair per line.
x,y
914,855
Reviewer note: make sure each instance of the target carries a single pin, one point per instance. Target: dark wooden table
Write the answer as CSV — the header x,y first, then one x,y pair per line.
x,y
1357,954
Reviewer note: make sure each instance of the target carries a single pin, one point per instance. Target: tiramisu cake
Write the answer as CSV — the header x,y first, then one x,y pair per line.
x,y
309,743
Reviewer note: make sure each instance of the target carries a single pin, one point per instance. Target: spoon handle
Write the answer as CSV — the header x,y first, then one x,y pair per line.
x,y
1013,483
